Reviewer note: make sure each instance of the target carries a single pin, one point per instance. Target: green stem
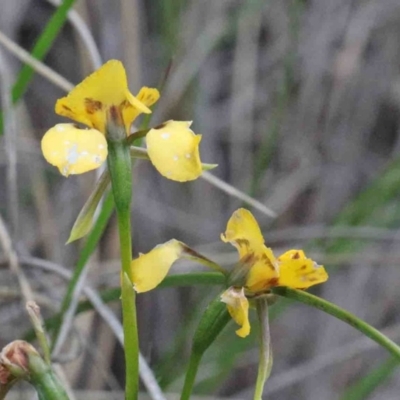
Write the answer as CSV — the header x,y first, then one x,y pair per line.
x,y
119,165
265,362
343,315
131,339
44,380
191,373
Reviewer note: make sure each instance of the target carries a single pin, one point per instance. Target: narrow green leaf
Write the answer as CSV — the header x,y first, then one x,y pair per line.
x,y
85,220
208,167
211,324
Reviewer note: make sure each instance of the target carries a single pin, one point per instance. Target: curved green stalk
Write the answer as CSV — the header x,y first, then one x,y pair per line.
x,y
119,165
343,315
266,360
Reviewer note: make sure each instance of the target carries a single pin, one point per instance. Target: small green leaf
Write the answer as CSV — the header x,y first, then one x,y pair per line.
x,y
212,322
85,220
208,167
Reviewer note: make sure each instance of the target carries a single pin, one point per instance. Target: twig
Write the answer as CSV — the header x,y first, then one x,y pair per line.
x,y
10,144
11,255
38,66
232,191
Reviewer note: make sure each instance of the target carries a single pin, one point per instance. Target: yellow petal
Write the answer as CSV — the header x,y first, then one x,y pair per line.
x,y
244,233
73,150
238,307
264,273
149,269
299,272
173,149
146,96
89,101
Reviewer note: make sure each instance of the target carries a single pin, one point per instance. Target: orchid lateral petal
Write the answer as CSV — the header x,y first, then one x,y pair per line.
x,y
149,269
173,149
238,307
146,96
299,272
73,150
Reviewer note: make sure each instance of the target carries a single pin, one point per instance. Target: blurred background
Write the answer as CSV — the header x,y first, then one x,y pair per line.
x,y
298,102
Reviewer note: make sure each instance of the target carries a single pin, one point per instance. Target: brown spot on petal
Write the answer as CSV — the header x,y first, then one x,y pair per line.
x,y
303,267
92,106
267,261
273,282
66,108
243,242
296,256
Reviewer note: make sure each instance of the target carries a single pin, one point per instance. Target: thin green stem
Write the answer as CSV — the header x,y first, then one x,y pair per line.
x,y
265,350
131,339
191,373
343,315
120,167
43,378
37,322
128,299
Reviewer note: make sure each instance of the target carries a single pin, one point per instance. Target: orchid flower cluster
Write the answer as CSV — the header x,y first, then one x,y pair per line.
x,y
105,105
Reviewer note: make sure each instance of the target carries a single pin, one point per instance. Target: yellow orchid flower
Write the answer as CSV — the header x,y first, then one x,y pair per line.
x,y
172,147
264,271
259,269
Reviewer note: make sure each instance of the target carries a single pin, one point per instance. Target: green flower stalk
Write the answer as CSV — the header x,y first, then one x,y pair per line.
x,y
120,167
